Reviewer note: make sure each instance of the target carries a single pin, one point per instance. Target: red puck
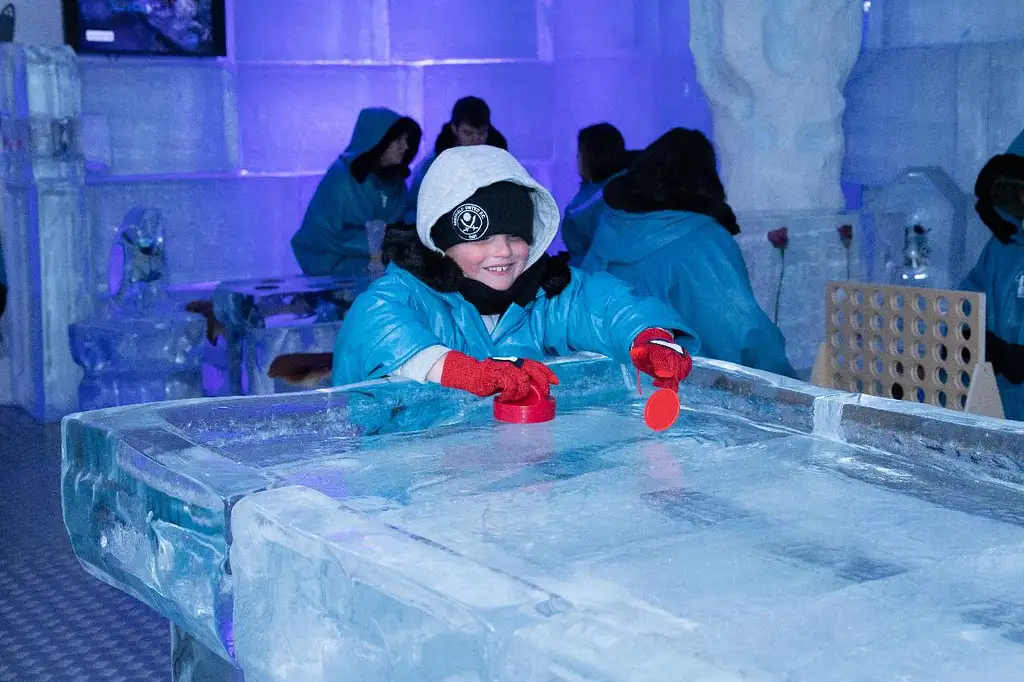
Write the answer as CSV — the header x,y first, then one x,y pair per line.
x,y
533,409
662,409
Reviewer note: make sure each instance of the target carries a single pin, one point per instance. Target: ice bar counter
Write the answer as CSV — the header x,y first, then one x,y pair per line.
x,y
392,531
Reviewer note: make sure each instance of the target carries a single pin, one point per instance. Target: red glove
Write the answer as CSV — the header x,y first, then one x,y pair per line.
x,y
509,376
655,353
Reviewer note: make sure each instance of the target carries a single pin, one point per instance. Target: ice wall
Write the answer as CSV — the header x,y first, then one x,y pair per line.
x,y
230,150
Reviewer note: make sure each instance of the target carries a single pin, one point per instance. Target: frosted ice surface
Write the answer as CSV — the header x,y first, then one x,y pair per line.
x,y
496,29
219,229
300,117
347,30
406,535
521,97
159,116
921,22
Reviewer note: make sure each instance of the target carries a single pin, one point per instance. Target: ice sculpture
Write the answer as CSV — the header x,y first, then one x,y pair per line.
x,y
393,531
928,249
139,347
268,317
773,73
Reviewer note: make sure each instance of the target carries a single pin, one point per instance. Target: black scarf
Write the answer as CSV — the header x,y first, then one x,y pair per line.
x,y
490,301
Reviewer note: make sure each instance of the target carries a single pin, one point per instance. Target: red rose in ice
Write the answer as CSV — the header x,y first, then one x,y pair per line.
x,y
845,234
779,238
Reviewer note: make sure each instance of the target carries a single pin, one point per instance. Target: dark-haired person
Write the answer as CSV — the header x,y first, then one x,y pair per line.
x,y
601,155
362,192
470,125
668,232
999,273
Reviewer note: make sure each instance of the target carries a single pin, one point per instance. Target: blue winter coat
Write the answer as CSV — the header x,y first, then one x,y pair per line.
x,y
332,239
999,275
581,218
693,264
399,316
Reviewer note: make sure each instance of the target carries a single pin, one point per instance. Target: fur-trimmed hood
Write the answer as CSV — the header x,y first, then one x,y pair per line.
x,y
998,191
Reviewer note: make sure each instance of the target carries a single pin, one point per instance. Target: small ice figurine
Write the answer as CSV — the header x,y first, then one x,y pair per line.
x,y
916,271
138,347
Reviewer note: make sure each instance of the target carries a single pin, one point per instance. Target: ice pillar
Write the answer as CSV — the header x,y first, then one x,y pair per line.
x,y
774,72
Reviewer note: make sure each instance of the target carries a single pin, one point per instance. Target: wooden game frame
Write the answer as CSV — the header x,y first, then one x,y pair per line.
x,y
921,345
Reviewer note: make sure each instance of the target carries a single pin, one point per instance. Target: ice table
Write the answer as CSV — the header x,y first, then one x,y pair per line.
x,y
265,318
391,531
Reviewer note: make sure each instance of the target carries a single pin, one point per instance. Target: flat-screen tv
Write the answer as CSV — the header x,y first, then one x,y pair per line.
x,y
192,28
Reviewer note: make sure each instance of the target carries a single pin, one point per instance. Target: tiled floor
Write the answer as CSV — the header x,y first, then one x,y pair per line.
x,y
57,622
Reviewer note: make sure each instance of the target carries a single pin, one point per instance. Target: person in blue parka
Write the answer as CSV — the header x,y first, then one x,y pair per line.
x,y
999,273
601,155
363,190
471,300
470,124
668,232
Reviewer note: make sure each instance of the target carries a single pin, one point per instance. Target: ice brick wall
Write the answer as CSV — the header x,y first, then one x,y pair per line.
x,y
229,150
941,84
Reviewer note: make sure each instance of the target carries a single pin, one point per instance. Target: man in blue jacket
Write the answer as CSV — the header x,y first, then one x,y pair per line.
x,y
363,192
471,300
999,273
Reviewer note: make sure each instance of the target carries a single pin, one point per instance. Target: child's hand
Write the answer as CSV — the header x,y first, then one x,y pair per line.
x,y
511,377
655,353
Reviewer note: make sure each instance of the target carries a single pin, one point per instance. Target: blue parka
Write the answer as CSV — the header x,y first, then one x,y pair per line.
x,y
332,239
999,274
694,265
399,315
582,216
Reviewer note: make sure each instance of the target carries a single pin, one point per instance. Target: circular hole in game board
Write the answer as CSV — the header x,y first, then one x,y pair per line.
x,y
965,307
265,287
940,353
920,373
896,302
857,319
941,330
965,355
963,402
877,345
839,296
964,332
941,376
920,303
838,339
897,369
876,387
942,398
896,391
839,318
840,361
965,380
877,366
919,394
942,305
920,350
920,328
857,342
858,297
860,385
877,300
877,322
896,347
272,280
858,364
897,324
837,381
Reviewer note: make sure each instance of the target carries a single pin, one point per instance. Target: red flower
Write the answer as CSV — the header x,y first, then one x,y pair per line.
x,y
779,238
845,234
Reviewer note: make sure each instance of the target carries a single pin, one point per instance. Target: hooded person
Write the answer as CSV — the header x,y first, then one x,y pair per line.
x,y
472,286
999,273
363,191
601,156
470,124
668,232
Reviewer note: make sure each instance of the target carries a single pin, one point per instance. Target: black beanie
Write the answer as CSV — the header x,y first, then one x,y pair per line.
x,y
501,208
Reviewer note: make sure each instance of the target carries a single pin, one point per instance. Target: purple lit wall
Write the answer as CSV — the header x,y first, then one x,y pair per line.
x,y
231,150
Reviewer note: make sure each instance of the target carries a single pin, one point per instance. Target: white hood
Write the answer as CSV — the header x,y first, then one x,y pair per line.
x,y
460,171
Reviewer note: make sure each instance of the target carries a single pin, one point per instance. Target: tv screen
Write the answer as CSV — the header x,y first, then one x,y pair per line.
x,y
192,28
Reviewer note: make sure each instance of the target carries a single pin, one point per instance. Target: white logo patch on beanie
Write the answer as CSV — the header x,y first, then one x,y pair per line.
x,y
470,222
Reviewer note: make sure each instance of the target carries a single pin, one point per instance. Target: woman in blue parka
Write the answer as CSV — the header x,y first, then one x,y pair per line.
x,y
668,232
363,190
601,155
999,273
472,286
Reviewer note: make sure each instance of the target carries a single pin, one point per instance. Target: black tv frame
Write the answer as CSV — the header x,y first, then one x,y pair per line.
x,y
75,36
